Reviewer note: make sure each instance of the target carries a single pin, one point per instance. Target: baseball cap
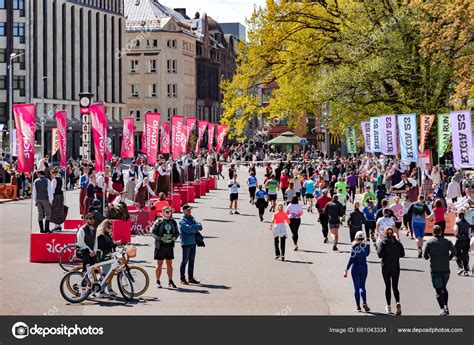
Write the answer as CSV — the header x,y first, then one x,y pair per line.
x,y
324,191
187,207
359,235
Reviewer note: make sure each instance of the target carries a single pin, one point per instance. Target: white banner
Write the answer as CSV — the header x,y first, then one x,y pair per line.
x,y
389,135
375,139
408,137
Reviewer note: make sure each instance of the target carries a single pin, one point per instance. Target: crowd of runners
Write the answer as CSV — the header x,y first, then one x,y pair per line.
x,y
382,201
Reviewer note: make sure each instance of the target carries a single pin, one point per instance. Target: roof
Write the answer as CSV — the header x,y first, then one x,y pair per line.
x,y
287,138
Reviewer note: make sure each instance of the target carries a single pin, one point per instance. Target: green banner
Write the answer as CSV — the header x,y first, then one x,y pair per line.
x,y
351,140
444,133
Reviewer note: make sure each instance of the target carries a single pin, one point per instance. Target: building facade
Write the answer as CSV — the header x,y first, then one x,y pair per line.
x,y
70,49
13,26
235,29
160,55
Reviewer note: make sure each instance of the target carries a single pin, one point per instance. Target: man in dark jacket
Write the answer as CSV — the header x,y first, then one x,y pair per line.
x,y
96,210
356,221
86,242
334,211
189,227
321,203
440,251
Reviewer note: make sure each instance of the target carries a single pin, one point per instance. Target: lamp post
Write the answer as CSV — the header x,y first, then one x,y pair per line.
x,y
44,115
10,101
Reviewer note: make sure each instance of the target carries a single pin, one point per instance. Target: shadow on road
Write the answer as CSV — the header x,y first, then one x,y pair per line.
x,y
299,262
218,220
211,237
181,289
212,286
411,270
311,251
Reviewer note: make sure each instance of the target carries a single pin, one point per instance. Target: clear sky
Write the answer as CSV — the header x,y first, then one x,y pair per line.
x,y
223,11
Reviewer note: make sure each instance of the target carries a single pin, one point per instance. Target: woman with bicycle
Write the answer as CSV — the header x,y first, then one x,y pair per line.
x,y
106,245
165,231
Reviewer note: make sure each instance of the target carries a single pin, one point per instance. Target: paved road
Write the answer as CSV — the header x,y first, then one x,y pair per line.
x,y
237,270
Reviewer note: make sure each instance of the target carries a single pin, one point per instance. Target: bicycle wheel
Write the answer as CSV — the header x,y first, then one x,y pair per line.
x,y
75,287
68,259
140,280
125,285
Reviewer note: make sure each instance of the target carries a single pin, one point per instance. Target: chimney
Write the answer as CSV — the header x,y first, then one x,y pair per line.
x,y
182,11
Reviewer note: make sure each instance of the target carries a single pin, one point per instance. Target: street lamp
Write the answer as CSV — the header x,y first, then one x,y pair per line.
x,y
10,100
44,116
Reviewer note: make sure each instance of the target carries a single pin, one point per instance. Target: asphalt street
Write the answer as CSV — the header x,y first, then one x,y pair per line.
x,y
237,270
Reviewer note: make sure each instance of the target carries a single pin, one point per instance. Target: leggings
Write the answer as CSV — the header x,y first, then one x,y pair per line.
x,y
323,219
390,277
370,229
359,276
442,296
283,190
352,192
281,246
252,192
442,224
462,256
294,226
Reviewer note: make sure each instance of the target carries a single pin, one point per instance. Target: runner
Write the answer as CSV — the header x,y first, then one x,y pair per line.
x,y
387,221
440,251
397,210
439,215
323,218
370,212
278,227
234,186
290,193
418,211
334,211
390,251
309,190
294,211
261,202
462,231
356,221
272,186
359,270
284,183
252,184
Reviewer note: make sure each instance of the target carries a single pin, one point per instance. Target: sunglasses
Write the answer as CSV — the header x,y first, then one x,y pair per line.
x,y
90,218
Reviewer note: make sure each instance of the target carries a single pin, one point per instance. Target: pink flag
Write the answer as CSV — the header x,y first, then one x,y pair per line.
x,y
99,133
165,138
210,136
152,127
25,136
201,128
221,132
128,144
61,121
190,123
176,135
144,138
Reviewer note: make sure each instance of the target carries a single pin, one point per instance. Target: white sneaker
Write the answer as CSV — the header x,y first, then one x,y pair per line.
x,y
388,309
102,294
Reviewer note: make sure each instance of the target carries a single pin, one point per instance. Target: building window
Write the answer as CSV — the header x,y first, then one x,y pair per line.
x,y
2,29
138,116
135,43
2,4
134,90
18,5
172,44
172,112
152,43
19,84
266,93
19,31
152,66
152,90
21,58
3,82
134,66
3,55
172,66
172,91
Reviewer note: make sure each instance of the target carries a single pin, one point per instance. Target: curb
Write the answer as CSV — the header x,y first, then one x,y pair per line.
x,y
10,200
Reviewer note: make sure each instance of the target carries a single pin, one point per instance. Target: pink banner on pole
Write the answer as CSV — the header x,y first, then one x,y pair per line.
x,y
190,123
165,138
210,135
61,122
128,144
25,136
152,127
201,128
99,133
143,150
176,135
221,133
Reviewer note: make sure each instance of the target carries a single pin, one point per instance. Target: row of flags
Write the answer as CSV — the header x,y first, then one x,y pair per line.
x,y
174,137
398,134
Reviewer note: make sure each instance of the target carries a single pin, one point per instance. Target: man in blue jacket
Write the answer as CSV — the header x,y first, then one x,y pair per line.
x,y
189,227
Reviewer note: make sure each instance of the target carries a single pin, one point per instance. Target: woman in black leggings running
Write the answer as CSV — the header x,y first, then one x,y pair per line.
x,y
390,251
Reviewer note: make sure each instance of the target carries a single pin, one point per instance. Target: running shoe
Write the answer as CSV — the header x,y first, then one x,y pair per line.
x,y
296,248
171,284
420,253
443,313
325,240
446,310
236,212
358,309
399,309
158,284
388,309
184,282
282,258
466,273
366,308
193,281
230,212
277,257
334,248
461,271
102,294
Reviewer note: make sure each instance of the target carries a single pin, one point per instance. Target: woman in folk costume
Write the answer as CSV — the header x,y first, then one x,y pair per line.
x,y
143,192
117,178
190,168
91,190
176,175
163,175
58,216
132,177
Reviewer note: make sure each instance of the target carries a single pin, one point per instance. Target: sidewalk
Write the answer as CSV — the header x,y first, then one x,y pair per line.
x,y
2,201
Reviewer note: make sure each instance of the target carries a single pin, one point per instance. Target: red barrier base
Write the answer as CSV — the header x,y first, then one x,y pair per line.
x,y
197,190
183,194
204,187
46,247
206,180
175,201
122,230
190,191
212,183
